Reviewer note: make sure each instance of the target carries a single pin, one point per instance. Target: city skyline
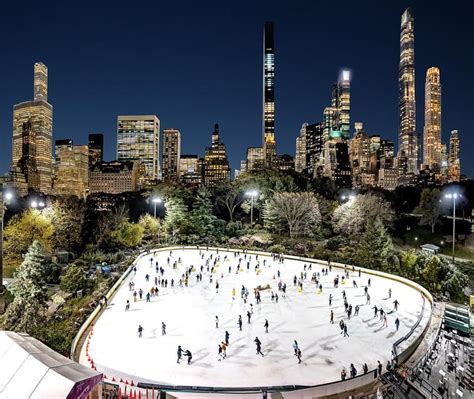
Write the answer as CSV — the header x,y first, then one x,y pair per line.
x,y
194,140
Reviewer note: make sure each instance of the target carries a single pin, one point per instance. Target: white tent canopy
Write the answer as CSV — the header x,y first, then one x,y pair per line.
x,y
29,369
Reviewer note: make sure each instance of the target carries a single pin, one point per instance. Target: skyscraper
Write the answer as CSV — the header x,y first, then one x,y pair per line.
x,y
138,139
96,148
341,101
216,167
269,144
37,117
407,136
300,155
432,131
454,168
171,154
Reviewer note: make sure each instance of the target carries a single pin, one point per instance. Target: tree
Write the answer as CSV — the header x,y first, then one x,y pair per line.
x,y
28,309
296,212
204,221
231,198
351,217
73,280
151,227
128,234
375,246
429,207
177,218
432,272
25,228
67,215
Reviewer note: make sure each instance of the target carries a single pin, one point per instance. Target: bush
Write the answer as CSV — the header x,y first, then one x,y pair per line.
x,y
73,280
276,248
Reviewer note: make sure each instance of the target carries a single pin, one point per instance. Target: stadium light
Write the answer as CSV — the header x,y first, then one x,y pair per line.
x,y
454,196
253,194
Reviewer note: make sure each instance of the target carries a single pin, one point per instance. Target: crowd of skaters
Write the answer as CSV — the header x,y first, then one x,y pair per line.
x,y
243,260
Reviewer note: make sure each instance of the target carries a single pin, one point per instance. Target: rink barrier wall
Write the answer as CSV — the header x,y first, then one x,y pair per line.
x,y
327,389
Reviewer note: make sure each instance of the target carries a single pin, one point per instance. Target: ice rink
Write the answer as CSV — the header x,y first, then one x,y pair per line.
x,y
189,314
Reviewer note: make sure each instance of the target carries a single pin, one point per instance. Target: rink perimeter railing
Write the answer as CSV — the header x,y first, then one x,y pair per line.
x,y
291,391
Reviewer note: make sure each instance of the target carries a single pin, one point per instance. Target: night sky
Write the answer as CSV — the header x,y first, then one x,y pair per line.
x,y
194,63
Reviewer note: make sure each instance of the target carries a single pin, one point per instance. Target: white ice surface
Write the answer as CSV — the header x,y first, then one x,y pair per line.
x,y
189,313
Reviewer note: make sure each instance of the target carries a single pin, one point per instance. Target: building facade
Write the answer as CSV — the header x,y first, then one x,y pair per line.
x,y
33,133
171,154
190,170
71,169
269,143
116,177
300,155
216,169
96,148
454,162
432,146
254,159
138,138
407,135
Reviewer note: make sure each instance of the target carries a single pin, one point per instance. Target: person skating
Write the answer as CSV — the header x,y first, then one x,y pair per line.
x,y
249,315
395,304
376,311
385,321
368,299
163,328
343,374
330,299
298,355
127,305
259,346
140,331
239,322
295,347
179,353
352,371
266,325
397,323
227,336
233,293
189,355
356,310
379,367
389,293
331,320
345,331
341,326
217,322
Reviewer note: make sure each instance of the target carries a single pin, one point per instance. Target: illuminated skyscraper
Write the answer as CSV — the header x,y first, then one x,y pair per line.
x,y
37,117
269,144
96,148
138,138
341,101
407,136
171,154
300,155
454,168
432,131
216,167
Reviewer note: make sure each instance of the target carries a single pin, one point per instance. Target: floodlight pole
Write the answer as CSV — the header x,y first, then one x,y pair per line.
x,y
454,223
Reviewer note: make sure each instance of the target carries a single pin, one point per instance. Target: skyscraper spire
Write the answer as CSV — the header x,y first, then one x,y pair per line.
x,y
407,136
269,145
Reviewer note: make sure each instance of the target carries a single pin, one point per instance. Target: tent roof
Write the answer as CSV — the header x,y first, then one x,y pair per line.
x,y
29,369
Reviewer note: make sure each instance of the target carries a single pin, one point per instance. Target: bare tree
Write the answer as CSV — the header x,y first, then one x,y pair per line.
x,y
296,212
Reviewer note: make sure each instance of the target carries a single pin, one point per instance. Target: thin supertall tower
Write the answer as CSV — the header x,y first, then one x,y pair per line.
x,y
407,136
269,144
432,146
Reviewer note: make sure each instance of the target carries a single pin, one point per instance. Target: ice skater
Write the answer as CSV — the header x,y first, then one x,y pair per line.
x,y
295,347
395,304
217,322
385,321
163,328
330,299
227,336
189,355
239,322
140,331
397,323
127,306
266,325
389,293
249,315
331,320
259,346
298,355
345,331
179,353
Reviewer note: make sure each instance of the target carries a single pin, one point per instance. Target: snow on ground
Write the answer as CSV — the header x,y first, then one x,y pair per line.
x,y
189,314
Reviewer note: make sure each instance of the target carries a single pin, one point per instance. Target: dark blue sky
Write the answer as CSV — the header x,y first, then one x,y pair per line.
x,y
196,63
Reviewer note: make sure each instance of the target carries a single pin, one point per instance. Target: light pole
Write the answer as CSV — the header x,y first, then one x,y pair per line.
x,y
8,197
252,194
454,197
156,201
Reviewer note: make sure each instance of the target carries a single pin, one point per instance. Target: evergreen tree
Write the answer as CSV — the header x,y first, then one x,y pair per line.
x,y
375,246
28,310
176,219
205,223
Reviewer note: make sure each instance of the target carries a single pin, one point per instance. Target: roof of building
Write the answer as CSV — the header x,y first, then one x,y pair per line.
x,y
430,247
29,369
